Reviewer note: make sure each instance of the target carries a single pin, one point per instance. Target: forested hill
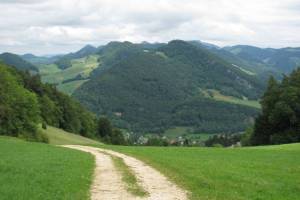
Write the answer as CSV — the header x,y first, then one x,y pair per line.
x,y
26,102
284,59
171,85
17,61
64,62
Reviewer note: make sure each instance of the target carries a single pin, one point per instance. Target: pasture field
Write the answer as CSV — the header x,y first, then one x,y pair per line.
x,y
70,87
82,66
186,132
60,137
220,97
216,95
266,173
46,69
39,171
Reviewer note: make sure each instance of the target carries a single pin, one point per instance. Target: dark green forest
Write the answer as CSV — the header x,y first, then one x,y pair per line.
x,y
284,59
18,62
280,119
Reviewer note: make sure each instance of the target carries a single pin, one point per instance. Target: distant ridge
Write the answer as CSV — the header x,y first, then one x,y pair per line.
x,y
18,62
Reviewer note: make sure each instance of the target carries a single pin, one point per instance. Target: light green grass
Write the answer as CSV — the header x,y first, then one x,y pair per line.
x,y
83,66
244,70
266,173
38,171
216,95
128,177
48,69
162,54
59,137
70,87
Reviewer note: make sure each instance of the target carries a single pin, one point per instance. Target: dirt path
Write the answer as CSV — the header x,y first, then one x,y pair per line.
x,y
107,183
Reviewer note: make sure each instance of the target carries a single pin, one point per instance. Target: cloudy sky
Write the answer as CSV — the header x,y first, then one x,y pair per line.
x,y
58,26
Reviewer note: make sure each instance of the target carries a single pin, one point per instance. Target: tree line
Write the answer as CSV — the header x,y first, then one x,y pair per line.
x,y
26,102
279,121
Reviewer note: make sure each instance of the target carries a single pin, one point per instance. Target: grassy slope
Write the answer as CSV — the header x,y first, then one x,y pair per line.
x,y
244,173
70,87
39,171
219,97
83,66
216,95
60,137
48,69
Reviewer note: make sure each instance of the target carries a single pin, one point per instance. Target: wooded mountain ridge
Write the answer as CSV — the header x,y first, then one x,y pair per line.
x,y
149,87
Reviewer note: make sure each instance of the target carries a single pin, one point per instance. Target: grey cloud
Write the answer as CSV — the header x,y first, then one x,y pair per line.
x,y
19,1
50,26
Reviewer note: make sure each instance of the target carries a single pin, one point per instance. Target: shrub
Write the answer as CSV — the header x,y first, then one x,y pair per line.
x,y
44,125
41,137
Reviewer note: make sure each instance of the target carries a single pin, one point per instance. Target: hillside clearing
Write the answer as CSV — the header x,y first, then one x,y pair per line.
x,y
70,87
216,95
79,67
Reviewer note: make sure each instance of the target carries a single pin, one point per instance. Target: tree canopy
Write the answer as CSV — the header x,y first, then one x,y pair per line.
x,y
280,119
25,102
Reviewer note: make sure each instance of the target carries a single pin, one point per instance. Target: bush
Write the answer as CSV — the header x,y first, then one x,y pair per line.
x,y
44,125
42,137
108,134
225,140
217,145
34,136
246,137
157,141
118,138
288,136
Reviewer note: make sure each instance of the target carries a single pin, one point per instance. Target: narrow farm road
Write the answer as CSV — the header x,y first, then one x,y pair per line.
x,y
108,185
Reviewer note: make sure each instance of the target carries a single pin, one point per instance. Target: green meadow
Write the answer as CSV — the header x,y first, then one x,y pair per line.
x,y
216,95
60,137
41,171
38,171
82,66
266,173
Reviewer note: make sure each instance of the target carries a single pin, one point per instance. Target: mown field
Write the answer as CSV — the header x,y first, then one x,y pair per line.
x,y
38,171
266,173
60,137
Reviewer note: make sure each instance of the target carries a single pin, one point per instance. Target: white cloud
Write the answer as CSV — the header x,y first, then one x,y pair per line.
x,y
55,26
